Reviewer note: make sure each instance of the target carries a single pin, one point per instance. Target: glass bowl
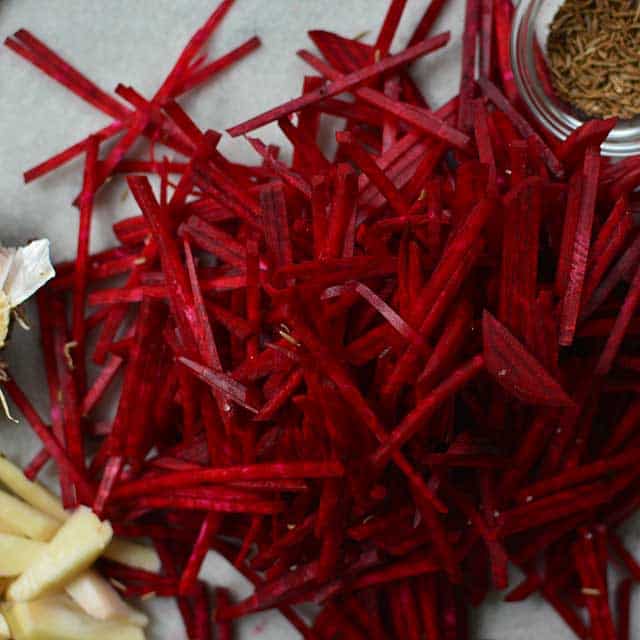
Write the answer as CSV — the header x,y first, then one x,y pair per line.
x,y
528,59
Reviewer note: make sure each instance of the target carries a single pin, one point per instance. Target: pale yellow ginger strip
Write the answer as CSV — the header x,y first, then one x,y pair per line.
x,y
76,546
58,618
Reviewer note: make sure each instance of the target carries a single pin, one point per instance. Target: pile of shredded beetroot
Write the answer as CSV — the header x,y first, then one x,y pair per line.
x,y
371,380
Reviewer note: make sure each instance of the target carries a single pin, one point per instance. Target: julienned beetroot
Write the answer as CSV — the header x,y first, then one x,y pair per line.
x,y
385,374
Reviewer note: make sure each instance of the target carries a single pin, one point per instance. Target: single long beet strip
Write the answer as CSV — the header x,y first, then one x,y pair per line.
x,y
389,27
420,118
486,38
71,152
392,88
210,527
207,504
264,471
72,427
503,11
582,239
81,279
342,84
103,100
27,46
427,20
49,441
272,406
483,140
468,67
627,311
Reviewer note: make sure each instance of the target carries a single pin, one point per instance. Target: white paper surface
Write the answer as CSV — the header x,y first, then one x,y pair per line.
x,y
136,42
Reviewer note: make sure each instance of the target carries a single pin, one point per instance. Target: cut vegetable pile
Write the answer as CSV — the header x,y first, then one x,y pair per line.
x,y
371,380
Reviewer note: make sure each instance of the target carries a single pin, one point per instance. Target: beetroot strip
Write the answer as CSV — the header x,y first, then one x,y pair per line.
x,y
416,418
419,118
366,164
494,94
37,463
468,70
364,411
38,54
209,528
263,471
48,440
389,27
427,21
213,68
622,322
580,253
78,328
618,272
341,85
623,601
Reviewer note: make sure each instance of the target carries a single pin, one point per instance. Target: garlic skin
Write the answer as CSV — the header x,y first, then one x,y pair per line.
x,y
23,270
5,317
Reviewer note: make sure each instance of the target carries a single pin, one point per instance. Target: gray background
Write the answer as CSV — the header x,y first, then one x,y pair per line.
x,y
136,42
